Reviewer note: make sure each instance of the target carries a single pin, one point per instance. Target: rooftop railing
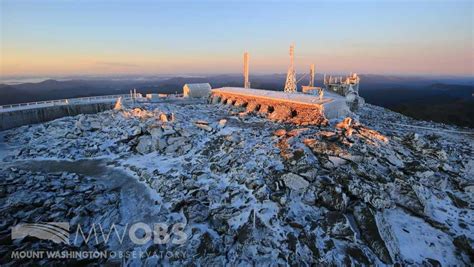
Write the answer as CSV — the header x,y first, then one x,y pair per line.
x,y
60,102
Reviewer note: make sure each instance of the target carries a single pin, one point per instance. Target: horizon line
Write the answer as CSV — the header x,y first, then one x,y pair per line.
x,y
209,74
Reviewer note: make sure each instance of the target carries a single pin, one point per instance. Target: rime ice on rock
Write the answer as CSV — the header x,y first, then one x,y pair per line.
x,y
254,191
118,104
295,182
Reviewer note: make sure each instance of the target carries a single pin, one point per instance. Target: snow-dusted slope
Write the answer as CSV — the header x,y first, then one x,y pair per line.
x,y
383,189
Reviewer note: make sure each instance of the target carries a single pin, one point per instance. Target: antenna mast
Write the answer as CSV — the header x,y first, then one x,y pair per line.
x,y
246,70
290,85
311,76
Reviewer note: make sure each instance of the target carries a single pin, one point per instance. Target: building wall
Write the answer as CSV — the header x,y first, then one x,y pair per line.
x,y
190,91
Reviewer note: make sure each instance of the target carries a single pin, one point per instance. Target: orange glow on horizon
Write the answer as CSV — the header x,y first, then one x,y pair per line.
x,y
402,59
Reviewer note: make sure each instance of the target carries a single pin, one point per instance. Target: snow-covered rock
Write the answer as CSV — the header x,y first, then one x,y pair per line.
x,y
378,189
145,145
295,182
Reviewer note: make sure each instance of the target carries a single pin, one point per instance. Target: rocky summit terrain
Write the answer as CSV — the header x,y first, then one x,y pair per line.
x,y
376,188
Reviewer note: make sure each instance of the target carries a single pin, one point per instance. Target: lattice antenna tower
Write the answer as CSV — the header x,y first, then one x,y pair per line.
x,y
290,85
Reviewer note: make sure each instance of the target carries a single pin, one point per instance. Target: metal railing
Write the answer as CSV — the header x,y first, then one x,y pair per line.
x,y
62,102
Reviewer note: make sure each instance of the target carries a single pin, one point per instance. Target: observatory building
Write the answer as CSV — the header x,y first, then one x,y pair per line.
x,y
196,90
341,85
348,87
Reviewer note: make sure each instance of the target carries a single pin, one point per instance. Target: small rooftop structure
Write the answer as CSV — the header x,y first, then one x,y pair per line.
x,y
196,90
310,90
155,97
342,86
347,87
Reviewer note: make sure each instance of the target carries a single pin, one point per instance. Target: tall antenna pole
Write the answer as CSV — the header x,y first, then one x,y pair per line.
x,y
311,76
246,70
290,85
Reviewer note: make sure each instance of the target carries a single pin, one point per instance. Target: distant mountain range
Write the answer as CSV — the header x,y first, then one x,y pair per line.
x,y
447,103
446,99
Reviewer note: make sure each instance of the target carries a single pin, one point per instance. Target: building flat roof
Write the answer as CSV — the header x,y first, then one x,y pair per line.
x,y
334,104
279,95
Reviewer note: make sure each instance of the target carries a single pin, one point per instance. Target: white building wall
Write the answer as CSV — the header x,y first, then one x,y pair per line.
x,y
196,90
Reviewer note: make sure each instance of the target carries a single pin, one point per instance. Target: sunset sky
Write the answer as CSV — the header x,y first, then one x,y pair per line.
x,y
184,37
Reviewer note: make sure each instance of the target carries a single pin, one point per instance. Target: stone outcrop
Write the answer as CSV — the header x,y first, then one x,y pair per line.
x,y
361,192
295,182
118,104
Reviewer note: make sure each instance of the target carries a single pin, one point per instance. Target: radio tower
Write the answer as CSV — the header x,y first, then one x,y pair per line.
x,y
246,70
290,85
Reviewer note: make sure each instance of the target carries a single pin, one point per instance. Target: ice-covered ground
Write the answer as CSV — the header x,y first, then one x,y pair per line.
x,y
381,189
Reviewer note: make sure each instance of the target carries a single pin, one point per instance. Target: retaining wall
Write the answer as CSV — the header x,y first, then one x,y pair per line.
x,y
16,118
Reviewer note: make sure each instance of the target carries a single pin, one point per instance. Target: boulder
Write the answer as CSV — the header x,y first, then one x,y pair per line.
x,y
172,148
145,145
95,125
203,125
334,162
168,130
280,132
163,117
345,126
295,182
252,106
160,144
180,141
156,133
264,109
118,104
136,130
370,233
215,100
239,103
222,123
281,113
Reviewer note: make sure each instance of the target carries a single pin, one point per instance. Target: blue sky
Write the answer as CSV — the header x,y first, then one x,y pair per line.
x,y
113,37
